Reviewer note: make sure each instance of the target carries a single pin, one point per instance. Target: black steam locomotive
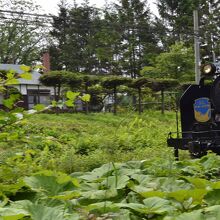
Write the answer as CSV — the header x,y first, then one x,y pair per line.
x,y
200,115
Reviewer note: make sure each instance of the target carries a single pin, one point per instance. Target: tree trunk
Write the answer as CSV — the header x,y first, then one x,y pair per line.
x,y
139,101
55,93
56,99
115,101
162,102
58,93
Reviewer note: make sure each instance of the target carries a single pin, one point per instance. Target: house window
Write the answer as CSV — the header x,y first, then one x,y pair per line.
x,y
38,96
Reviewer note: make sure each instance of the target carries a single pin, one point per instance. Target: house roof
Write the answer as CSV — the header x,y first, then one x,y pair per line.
x,y
17,69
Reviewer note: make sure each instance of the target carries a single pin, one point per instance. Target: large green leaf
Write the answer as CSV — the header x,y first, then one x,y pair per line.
x,y
213,197
142,178
195,215
100,194
9,103
213,212
99,173
12,213
39,107
12,82
50,185
86,98
128,172
103,207
118,182
153,194
72,95
140,189
197,195
171,184
25,68
42,212
67,195
152,205
26,75
69,103
158,205
209,213
199,183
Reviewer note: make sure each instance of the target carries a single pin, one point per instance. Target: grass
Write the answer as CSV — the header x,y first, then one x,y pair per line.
x,y
91,140
79,142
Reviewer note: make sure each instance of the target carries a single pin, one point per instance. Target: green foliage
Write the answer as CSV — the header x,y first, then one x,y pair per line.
x,y
135,189
155,187
112,82
60,80
9,103
71,95
20,41
39,107
86,98
177,63
162,84
139,82
11,80
123,30
175,22
86,142
54,78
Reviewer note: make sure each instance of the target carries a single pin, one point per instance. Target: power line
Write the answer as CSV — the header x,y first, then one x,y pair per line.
x,y
25,21
25,13
82,23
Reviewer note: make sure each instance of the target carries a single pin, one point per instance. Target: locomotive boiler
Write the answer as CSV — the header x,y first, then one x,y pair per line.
x,y
200,115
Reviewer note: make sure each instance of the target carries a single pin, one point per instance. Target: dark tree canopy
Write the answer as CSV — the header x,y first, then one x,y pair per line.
x,y
162,84
118,41
112,82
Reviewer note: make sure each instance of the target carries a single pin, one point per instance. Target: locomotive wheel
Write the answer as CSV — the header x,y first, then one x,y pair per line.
x,y
196,150
194,155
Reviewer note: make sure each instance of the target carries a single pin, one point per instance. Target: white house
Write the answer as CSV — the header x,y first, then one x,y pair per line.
x,y
33,91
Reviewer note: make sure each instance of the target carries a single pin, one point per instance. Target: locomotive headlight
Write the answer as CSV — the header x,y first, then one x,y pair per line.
x,y
208,69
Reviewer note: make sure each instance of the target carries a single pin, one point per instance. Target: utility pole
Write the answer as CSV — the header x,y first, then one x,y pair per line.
x,y
196,46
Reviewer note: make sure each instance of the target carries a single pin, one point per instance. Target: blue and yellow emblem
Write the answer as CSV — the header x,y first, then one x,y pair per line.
x,y
202,110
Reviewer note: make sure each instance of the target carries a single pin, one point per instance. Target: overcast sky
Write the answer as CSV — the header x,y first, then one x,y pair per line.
x,y
50,6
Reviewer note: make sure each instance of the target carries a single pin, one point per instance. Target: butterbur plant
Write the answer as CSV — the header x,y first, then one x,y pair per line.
x,y
12,120
71,98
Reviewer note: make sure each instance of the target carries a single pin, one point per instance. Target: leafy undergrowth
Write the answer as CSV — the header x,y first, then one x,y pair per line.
x,y
148,189
78,142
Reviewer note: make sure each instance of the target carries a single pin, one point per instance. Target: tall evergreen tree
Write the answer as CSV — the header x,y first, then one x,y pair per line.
x,y
108,40
176,18
118,41
138,41
58,50
209,26
74,30
176,21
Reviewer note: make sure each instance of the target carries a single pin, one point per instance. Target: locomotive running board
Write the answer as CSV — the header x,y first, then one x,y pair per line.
x,y
180,143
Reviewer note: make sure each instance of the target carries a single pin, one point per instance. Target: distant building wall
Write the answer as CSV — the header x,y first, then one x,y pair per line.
x,y
32,91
